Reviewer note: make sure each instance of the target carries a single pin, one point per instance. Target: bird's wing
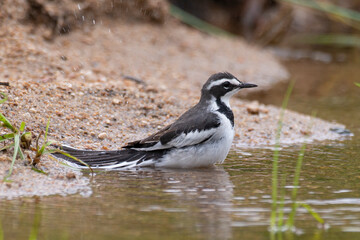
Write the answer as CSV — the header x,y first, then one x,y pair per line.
x,y
180,134
150,141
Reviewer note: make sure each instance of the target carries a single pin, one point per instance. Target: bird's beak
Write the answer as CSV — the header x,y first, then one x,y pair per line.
x,y
248,85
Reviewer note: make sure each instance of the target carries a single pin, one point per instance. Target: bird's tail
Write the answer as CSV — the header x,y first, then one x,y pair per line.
x,y
117,159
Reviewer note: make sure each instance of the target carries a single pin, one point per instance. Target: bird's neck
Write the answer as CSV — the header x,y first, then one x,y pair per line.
x,y
224,108
220,105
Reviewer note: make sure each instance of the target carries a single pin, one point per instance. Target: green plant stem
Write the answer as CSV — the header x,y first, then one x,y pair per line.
x,y
6,137
74,158
291,220
36,224
1,231
341,40
312,212
273,218
39,171
16,150
47,129
282,202
196,22
328,8
8,146
7,124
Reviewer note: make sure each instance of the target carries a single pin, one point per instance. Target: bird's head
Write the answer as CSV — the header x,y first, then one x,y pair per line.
x,y
222,86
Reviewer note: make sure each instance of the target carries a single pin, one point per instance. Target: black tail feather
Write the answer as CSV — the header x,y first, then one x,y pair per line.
x,y
108,159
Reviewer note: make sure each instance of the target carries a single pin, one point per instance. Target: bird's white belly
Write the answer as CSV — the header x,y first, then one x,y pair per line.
x,y
205,154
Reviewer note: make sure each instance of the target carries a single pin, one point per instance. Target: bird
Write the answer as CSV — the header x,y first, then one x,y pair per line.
x,y
200,137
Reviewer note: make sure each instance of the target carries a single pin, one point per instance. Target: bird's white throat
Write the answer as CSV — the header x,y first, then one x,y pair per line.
x,y
213,105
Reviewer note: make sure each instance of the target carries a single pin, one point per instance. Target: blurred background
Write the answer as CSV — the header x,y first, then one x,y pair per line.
x,y
325,22
282,21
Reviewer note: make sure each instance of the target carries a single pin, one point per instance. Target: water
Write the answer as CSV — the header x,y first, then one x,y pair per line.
x,y
228,201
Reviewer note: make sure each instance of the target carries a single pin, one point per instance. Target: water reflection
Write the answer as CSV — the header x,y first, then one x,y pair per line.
x,y
36,223
204,194
23,224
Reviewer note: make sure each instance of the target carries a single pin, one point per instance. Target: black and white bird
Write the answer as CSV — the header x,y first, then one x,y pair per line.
x,y
200,137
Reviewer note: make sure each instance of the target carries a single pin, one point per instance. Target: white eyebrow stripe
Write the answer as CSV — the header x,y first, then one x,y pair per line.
x,y
221,81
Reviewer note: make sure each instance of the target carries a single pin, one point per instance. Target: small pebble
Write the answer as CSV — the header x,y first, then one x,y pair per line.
x,y
102,136
305,132
70,175
116,101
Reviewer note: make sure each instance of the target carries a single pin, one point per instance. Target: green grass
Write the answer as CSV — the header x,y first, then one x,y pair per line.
x,y
290,222
20,140
277,223
295,204
357,84
1,230
15,135
275,165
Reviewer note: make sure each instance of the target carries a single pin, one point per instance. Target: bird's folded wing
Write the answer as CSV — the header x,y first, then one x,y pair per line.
x,y
179,134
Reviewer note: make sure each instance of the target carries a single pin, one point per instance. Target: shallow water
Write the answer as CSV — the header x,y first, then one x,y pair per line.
x,y
228,201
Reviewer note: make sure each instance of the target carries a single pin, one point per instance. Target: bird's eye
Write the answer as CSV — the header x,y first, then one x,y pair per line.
x,y
226,85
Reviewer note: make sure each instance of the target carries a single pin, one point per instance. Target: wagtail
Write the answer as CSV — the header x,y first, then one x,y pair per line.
x,y
200,137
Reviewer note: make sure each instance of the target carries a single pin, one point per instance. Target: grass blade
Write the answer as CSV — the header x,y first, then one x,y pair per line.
x,y
16,150
1,230
328,8
74,158
282,202
196,22
62,163
39,171
6,136
43,147
291,220
34,234
329,39
8,146
21,155
357,84
22,126
2,117
7,124
312,212
47,129
274,195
